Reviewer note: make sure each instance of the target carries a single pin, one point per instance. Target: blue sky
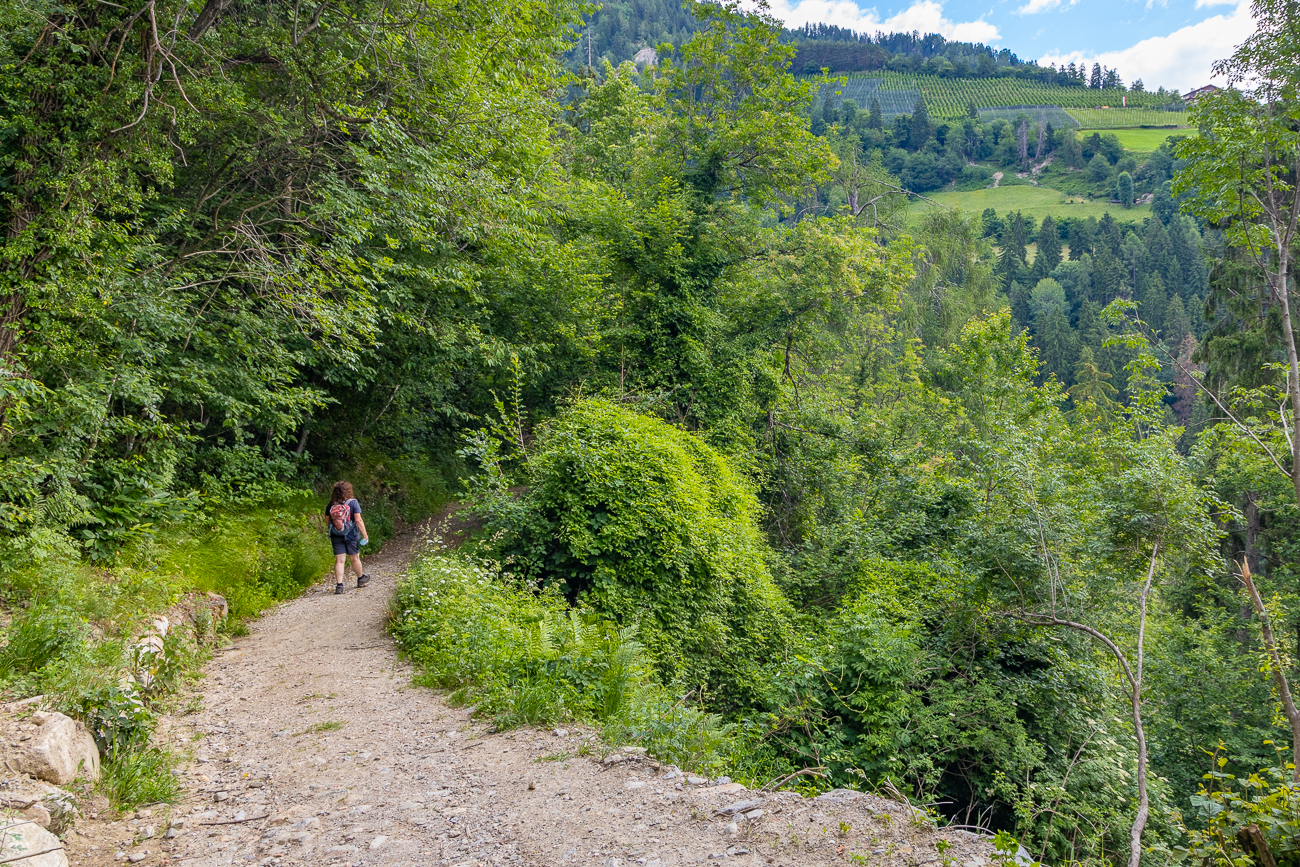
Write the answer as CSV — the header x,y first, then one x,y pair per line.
x,y
1171,43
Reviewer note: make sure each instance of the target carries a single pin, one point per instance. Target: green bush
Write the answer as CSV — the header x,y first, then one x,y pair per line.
x,y
521,655
117,716
646,524
529,659
1268,799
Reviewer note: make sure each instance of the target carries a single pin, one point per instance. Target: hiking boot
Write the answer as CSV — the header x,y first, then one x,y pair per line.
x,y
338,589
363,581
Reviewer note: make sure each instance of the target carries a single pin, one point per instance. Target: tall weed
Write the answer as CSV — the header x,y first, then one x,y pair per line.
x,y
526,658
38,636
130,779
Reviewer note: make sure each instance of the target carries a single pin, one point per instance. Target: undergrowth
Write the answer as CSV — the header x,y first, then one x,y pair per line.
x,y
527,658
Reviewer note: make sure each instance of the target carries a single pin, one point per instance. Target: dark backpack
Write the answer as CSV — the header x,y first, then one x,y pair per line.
x,y
340,519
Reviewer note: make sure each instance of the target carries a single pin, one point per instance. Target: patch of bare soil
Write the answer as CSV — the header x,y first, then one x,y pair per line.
x,y
311,746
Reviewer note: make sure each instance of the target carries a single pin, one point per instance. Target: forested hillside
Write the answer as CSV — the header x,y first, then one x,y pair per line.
x,y
776,477
618,29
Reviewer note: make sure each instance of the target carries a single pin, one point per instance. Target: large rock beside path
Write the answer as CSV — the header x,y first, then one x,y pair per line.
x,y
24,842
60,750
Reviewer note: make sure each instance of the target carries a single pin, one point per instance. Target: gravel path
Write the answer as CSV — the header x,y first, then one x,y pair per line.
x,y
312,747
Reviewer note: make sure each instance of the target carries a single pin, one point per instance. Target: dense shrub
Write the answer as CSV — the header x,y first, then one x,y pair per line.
x,y
646,524
906,680
527,658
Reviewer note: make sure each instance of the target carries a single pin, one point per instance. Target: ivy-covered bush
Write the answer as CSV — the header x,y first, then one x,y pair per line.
x,y
646,524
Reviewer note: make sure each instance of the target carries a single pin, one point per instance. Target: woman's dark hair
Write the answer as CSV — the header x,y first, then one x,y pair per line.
x,y
342,492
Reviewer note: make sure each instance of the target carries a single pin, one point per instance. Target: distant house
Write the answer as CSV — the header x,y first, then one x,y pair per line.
x,y
646,57
1190,98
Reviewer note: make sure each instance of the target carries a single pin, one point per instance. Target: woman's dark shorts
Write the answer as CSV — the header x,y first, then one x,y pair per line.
x,y
349,544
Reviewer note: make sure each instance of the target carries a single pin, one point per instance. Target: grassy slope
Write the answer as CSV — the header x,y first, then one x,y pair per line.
x,y
1036,201
1041,201
1139,141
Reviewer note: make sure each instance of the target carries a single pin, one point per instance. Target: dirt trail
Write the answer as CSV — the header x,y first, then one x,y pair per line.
x,y
312,747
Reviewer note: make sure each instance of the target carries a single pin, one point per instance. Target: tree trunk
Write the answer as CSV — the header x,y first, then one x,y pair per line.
x,y
1293,369
1144,799
302,437
1253,527
1134,677
1251,555
207,18
1279,674
1252,841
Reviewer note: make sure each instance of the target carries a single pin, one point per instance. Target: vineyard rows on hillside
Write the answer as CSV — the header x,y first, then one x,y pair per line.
x,y
1127,118
1053,114
951,97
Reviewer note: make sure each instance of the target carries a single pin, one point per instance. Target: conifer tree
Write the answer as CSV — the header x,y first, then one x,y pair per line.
x,y
1081,239
1178,324
1049,248
1153,303
1108,233
1092,393
1058,345
874,118
1071,150
1017,236
1095,81
920,130
1018,296
992,224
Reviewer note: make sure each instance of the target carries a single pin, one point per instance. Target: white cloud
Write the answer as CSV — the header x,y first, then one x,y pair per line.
x,y
1033,7
923,15
1182,59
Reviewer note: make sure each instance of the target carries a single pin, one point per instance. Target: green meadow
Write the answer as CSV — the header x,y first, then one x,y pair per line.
x,y
1036,201
1140,141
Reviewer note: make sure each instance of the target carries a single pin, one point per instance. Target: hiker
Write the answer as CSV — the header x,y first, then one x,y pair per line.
x,y
347,534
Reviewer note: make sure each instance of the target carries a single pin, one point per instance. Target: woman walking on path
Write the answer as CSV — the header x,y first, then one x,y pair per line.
x,y
347,534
